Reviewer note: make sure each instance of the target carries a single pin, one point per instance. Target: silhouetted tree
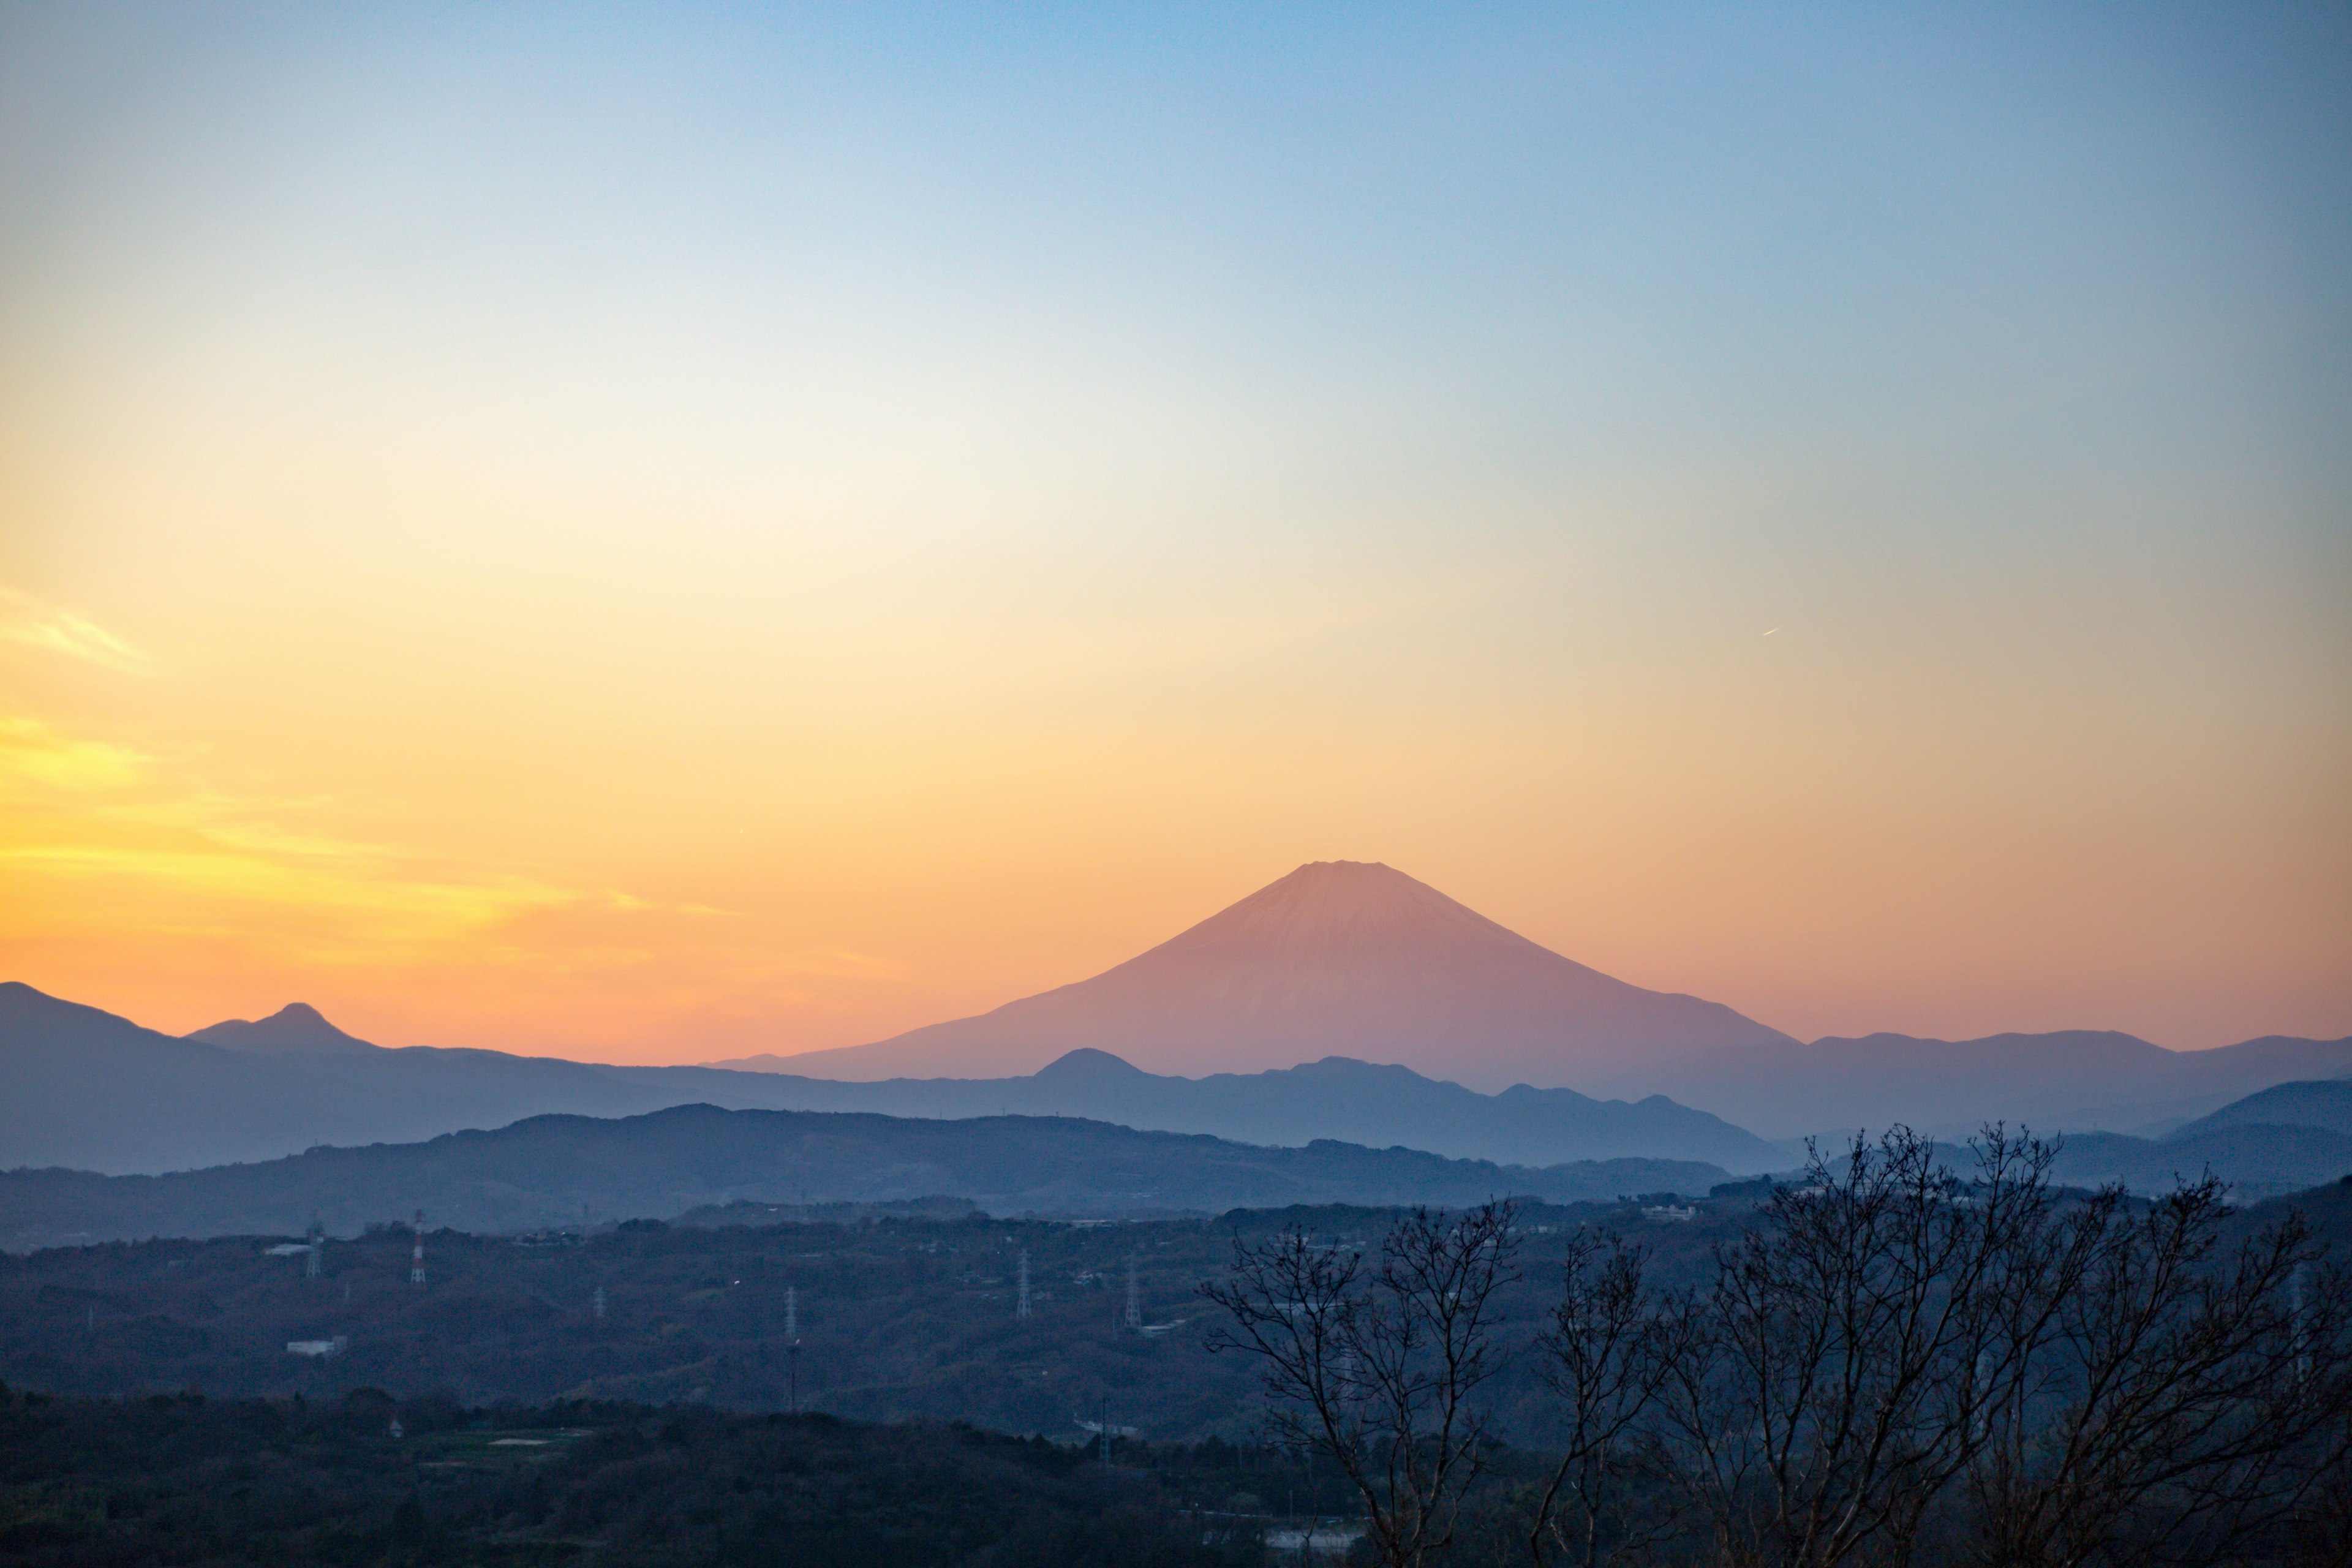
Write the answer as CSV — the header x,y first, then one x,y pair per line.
x,y
1894,1364
1823,1392
1601,1358
2184,1399
1376,1362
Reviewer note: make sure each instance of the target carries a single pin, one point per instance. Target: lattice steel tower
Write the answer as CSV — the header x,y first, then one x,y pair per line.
x,y
792,1349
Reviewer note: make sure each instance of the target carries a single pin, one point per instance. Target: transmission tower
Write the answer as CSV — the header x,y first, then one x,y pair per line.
x,y
597,1303
1134,1300
2295,1320
416,1254
792,1349
316,1237
1022,1311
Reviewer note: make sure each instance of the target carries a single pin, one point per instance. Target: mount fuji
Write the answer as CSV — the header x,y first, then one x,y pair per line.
x,y
1338,958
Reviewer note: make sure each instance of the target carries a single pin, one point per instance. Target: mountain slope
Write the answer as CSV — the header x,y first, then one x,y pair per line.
x,y
1338,958
2324,1104
2257,1161
548,1170
2066,1080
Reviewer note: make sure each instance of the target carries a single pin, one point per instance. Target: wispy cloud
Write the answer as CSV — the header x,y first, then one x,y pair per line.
x,y
112,839
126,862
31,622
34,755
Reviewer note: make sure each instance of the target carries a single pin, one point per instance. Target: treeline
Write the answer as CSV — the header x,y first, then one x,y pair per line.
x,y
366,1480
1894,1363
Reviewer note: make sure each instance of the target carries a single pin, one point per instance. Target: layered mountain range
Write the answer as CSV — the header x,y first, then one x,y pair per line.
x,y
1344,958
1367,1008
91,1091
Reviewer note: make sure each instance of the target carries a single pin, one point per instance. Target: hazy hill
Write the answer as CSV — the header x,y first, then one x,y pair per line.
x,y
1354,1101
1338,958
2066,1080
2326,1103
83,1089
555,1170
2258,1162
91,1091
86,1089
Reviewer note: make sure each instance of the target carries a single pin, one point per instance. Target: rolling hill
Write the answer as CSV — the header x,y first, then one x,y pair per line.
x,y
2326,1103
2257,1161
553,1171
1354,1101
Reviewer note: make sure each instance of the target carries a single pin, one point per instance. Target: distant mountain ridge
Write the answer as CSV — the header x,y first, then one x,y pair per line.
x,y
1338,1096
87,1090
551,1171
2257,1161
2326,1104
83,1087
1338,958
2072,1079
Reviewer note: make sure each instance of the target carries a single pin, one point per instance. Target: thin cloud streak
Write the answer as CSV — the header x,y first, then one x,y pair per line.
x,y
27,622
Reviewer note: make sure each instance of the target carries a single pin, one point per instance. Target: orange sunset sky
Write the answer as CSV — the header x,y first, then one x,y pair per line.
x,y
658,535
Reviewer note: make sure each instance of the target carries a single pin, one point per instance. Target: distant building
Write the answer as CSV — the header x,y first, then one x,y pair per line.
x,y
335,1346
1317,1542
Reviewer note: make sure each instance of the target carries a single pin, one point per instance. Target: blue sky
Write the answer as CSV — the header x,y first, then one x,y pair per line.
x,y
1840,510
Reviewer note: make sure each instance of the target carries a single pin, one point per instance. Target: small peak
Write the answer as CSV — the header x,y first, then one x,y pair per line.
x,y
1088,1062
295,1029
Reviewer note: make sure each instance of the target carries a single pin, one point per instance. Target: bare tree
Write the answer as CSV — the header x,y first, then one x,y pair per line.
x,y
1601,1358
1376,1362
1820,1395
1895,1363
2183,1400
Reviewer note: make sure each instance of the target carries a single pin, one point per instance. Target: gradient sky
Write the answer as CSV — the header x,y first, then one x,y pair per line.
x,y
655,534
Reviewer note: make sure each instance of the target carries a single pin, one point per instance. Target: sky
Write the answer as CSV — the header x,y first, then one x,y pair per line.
x,y
658,533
